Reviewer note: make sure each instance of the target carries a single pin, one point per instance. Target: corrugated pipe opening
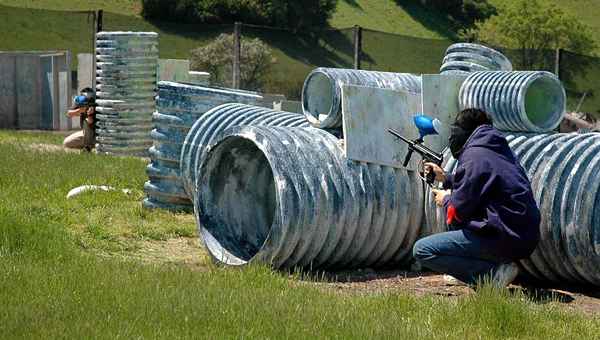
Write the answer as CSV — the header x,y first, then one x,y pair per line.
x,y
241,188
319,100
544,101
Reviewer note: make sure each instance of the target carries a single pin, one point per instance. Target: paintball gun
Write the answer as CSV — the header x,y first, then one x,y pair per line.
x,y
426,126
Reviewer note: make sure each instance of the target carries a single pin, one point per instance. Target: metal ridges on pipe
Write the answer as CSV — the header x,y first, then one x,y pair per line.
x,y
126,71
218,119
464,58
288,197
178,107
526,101
322,91
565,178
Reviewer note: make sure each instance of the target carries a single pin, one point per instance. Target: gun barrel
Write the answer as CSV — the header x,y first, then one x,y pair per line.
x,y
397,134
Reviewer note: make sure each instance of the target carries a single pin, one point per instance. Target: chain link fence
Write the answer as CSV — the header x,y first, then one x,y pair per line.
x,y
294,54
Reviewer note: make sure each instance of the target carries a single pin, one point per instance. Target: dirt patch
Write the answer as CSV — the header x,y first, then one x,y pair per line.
x,y
176,251
40,147
580,299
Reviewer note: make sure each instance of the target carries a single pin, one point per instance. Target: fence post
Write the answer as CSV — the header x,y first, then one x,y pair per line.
x,y
237,31
99,23
357,46
557,62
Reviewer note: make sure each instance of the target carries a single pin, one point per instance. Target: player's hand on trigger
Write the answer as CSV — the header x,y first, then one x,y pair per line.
x,y
439,196
440,175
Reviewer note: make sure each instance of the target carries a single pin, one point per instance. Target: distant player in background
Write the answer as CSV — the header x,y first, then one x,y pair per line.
x,y
84,108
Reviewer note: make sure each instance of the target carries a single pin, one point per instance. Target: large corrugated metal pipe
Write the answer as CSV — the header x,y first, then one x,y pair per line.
x,y
288,197
526,101
464,58
218,119
126,86
322,91
178,107
564,170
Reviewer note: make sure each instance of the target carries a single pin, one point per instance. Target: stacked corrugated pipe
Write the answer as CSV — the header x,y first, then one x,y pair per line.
x,y
529,101
214,122
322,91
464,58
126,86
287,196
565,179
178,107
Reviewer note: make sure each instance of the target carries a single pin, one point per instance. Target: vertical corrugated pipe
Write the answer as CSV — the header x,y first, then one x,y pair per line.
x,y
464,58
218,119
527,101
322,91
178,107
565,178
288,197
126,86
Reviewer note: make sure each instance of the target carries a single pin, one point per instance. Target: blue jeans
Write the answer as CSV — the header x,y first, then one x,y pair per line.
x,y
461,253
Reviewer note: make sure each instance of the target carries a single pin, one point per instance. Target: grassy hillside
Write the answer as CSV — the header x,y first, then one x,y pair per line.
x,y
37,29
393,16
77,269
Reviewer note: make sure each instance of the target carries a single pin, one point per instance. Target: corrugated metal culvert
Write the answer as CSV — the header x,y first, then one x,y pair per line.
x,y
322,91
464,58
288,197
565,178
528,101
126,86
178,107
218,119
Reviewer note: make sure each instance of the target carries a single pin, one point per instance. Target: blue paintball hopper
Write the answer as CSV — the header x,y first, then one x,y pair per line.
x,y
427,125
80,101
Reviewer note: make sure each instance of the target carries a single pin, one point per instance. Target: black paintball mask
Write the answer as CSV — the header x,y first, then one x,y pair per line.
x,y
466,122
458,138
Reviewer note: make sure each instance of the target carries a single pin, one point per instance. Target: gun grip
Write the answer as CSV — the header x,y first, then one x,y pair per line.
x,y
430,177
407,158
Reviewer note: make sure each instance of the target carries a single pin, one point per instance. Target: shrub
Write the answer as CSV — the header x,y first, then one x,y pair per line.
x,y
217,58
307,15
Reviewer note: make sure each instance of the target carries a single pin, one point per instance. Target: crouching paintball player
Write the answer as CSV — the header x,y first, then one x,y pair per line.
x,y
85,108
493,217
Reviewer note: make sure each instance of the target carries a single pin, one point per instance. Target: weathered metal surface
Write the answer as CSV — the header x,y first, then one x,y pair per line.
x,y
35,90
178,107
207,127
565,178
322,95
126,71
289,198
440,100
527,101
466,58
368,113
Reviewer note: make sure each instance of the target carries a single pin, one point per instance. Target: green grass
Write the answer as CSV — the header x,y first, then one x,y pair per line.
x,y
53,284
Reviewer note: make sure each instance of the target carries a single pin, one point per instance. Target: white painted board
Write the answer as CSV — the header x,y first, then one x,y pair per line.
x,y
440,100
368,113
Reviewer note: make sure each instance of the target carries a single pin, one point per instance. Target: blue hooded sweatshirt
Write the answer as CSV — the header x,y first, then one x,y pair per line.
x,y
492,195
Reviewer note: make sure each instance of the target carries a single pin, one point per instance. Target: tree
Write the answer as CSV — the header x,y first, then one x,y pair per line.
x,y
217,59
463,12
298,16
532,27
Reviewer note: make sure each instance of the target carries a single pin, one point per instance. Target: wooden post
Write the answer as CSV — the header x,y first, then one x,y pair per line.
x,y
357,46
237,31
557,62
99,22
